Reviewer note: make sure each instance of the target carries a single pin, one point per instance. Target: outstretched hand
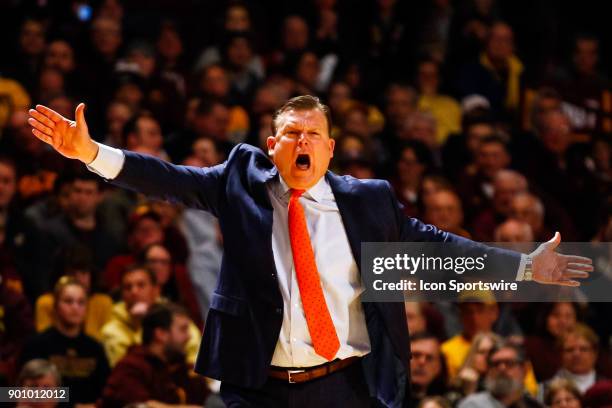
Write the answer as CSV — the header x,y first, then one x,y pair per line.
x,y
68,137
550,267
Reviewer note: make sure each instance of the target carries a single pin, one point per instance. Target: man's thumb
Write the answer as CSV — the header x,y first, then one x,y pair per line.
x,y
554,241
79,114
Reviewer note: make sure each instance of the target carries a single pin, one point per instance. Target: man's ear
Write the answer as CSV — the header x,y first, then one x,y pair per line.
x,y
271,142
332,144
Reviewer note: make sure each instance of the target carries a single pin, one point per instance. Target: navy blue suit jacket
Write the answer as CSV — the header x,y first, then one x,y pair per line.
x,y
246,311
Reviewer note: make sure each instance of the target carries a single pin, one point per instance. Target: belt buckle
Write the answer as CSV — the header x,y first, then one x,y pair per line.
x,y
289,372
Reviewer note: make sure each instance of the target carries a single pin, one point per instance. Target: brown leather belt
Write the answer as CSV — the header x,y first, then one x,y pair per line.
x,y
300,375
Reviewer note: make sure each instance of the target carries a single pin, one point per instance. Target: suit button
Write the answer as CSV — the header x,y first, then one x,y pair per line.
x,y
279,310
274,275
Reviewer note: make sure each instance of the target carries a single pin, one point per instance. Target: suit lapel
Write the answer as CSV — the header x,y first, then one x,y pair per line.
x,y
349,213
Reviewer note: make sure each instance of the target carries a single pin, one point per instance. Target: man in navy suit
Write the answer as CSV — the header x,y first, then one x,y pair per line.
x,y
286,325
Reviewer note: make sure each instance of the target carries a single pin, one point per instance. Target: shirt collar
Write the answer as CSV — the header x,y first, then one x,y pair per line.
x,y
316,192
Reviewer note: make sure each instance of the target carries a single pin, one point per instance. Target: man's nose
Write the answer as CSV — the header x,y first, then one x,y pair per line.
x,y
303,138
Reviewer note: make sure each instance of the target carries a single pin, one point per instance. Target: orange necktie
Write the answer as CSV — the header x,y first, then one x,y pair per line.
x,y
319,321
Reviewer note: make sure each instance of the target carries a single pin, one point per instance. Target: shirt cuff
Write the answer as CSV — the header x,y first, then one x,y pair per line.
x,y
520,274
108,163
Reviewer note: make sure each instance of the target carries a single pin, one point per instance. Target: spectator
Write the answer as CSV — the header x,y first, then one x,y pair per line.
x,y
504,380
434,402
80,224
527,208
498,73
142,134
579,350
414,161
76,263
139,291
444,108
155,372
39,373
426,367
401,101
444,210
562,393
506,185
118,114
513,231
79,358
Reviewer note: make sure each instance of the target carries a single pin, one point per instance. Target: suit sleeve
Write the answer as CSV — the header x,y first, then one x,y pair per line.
x,y
507,263
194,187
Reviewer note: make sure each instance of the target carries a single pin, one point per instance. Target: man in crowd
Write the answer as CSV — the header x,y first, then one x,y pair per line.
x,y
156,372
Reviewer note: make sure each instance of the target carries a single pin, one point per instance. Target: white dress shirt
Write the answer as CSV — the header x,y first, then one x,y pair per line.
x,y
340,278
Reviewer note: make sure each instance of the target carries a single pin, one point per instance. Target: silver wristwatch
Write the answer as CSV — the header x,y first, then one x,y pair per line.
x,y
528,273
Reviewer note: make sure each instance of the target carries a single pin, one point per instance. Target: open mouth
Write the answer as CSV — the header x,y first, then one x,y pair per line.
x,y
303,162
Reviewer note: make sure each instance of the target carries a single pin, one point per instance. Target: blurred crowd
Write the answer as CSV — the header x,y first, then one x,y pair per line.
x,y
491,119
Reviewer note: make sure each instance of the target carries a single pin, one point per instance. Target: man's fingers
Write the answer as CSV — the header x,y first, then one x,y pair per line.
x,y
580,266
41,118
575,274
79,114
45,138
577,259
50,113
40,126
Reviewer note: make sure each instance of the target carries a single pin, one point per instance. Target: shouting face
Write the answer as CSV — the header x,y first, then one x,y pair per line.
x,y
301,148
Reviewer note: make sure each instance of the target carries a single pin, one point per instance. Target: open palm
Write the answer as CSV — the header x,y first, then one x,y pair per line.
x,y
550,267
70,138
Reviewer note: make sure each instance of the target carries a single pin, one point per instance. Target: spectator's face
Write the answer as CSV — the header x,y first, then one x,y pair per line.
x,y
356,122
400,104
422,130
481,355
578,355
586,56
514,231
8,184
564,399
62,105
409,169
214,124
491,158
51,81
428,80
149,134
339,96
130,94
524,208
501,42
239,53
60,56
477,317
169,44
425,364
32,38
295,36
159,261
84,198
506,373
415,318
106,36
266,100
147,232
475,134
136,287
206,152
308,70
215,82
117,116
22,133
71,306
301,148
505,190
144,61
179,335
444,211
237,19
351,146
83,277
556,132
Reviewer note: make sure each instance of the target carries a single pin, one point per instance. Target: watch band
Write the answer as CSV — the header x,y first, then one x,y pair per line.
x,y
528,273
